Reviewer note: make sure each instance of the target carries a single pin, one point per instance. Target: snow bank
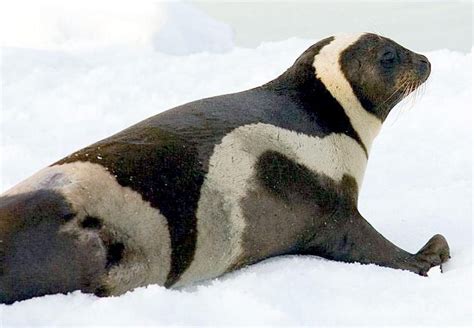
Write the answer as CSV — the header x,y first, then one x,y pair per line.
x,y
169,27
186,30
418,183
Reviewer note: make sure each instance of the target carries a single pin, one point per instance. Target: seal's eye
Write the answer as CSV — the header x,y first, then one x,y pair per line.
x,y
388,59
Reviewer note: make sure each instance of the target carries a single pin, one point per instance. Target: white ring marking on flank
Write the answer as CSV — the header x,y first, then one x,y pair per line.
x,y
220,220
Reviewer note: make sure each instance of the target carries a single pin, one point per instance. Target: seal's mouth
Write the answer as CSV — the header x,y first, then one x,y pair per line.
x,y
412,79
405,86
408,86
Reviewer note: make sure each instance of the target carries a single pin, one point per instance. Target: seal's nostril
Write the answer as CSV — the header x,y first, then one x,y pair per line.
x,y
424,64
425,61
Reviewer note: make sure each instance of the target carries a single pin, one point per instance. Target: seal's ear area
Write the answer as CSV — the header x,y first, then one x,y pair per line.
x,y
37,257
354,65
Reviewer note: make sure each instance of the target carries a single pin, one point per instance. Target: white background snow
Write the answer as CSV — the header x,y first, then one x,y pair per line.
x,y
61,94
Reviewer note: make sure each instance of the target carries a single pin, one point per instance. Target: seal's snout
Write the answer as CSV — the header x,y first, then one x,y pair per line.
x,y
423,67
37,256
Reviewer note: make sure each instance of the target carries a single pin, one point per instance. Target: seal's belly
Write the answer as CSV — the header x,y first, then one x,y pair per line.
x,y
234,208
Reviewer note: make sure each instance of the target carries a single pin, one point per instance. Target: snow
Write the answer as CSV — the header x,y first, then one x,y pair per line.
x,y
418,183
171,27
187,30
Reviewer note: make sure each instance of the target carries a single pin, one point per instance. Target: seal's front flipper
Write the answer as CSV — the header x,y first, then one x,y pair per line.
x,y
434,253
355,240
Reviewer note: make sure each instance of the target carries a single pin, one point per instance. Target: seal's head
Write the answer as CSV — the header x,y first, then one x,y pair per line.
x,y
366,69
381,72
365,75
